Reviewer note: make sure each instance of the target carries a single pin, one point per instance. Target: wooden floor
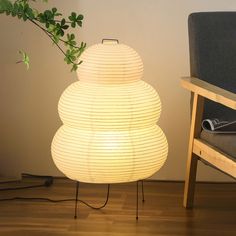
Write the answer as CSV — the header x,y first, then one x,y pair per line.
x,y
161,214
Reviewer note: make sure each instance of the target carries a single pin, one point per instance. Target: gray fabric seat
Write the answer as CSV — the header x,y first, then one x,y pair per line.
x,y
225,142
212,40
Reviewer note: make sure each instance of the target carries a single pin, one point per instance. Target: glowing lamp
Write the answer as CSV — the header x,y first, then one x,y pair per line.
x,y
109,132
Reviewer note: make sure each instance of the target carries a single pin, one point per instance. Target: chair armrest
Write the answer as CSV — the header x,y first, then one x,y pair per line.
x,y
210,91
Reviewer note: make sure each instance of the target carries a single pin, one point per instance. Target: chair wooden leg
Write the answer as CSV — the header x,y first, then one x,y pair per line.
x,y
189,186
195,130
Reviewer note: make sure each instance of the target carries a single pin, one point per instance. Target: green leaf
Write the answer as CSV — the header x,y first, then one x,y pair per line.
x,y
54,10
15,8
63,21
13,13
35,12
29,13
25,59
73,15
48,17
83,45
73,24
79,23
74,67
25,18
65,27
80,17
56,38
67,60
41,17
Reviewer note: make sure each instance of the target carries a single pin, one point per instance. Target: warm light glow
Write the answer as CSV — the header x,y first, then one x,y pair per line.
x,y
109,132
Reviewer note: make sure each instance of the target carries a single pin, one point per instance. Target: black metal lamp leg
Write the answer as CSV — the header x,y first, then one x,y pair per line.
x,y
76,199
137,203
143,191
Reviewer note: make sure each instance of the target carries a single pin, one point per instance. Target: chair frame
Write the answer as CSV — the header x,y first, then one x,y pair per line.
x,y
199,149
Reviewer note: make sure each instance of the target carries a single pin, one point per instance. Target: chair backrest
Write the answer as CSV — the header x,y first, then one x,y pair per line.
x,y
212,40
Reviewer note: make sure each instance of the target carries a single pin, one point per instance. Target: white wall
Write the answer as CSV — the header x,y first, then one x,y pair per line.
x,y
156,29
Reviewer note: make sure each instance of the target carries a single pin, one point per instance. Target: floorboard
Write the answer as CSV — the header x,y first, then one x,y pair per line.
x,y
161,213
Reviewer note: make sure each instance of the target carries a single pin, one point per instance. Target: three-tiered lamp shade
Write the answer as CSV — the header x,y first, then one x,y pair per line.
x,y
109,132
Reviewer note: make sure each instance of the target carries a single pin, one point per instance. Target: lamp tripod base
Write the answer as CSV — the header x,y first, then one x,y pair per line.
x,y
137,198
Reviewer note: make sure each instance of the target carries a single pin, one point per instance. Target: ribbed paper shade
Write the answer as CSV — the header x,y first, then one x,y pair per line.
x,y
109,133
110,64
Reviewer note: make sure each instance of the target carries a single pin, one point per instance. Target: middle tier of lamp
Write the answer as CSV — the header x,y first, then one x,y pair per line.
x,y
109,107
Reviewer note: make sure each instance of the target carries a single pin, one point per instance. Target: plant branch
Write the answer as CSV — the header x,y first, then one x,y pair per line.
x,y
51,37
48,34
54,28
51,33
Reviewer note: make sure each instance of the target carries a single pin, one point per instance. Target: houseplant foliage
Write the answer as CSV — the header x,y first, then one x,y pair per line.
x,y
53,24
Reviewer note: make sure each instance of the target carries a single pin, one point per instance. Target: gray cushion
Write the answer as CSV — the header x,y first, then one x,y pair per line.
x,y
212,40
225,142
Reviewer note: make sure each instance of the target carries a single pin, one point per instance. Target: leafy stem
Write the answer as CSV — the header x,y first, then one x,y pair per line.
x,y
49,35
53,24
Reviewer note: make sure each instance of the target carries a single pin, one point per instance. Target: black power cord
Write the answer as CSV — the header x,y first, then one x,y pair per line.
x,y
47,183
9,181
56,201
24,187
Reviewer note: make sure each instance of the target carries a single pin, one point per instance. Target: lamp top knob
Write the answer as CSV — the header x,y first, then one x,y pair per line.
x,y
110,41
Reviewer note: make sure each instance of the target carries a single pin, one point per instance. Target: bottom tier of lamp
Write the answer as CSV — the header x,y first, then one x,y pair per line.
x,y
109,157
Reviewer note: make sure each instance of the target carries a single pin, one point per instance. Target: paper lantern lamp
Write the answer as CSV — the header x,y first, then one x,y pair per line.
x,y
109,132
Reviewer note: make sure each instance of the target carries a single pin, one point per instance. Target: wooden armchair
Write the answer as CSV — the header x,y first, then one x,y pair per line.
x,y
212,39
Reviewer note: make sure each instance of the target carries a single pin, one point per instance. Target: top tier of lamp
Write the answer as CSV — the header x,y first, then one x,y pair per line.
x,y
110,63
